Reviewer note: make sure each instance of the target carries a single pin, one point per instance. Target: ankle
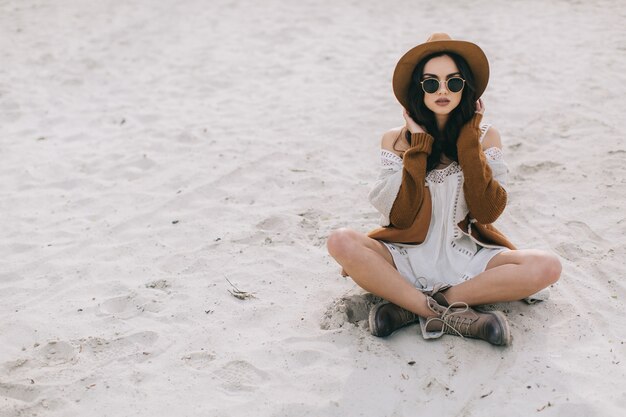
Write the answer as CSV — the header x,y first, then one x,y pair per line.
x,y
449,295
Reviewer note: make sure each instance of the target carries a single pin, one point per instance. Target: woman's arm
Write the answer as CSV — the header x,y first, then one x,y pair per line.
x,y
411,193
485,197
412,190
385,189
492,147
391,194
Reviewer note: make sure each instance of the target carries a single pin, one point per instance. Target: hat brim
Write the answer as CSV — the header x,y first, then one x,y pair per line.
x,y
471,52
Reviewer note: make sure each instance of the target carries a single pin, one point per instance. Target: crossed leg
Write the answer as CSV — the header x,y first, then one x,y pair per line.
x,y
369,263
509,276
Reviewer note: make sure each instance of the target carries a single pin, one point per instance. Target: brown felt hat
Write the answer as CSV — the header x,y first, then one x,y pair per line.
x,y
440,42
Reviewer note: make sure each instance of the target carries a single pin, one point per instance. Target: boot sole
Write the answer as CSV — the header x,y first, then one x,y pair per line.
x,y
504,324
372,322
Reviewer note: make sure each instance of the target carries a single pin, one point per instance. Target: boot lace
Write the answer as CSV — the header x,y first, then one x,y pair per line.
x,y
453,321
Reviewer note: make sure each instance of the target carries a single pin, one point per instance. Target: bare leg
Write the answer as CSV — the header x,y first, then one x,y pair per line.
x,y
509,276
370,265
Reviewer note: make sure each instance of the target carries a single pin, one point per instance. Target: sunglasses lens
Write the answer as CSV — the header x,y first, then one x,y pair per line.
x,y
430,85
455,85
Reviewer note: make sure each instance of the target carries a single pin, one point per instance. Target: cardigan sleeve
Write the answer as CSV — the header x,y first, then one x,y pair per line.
x,y
411,193
398,192
485,196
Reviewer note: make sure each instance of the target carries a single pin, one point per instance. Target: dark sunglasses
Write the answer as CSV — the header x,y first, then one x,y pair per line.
x,y
432,85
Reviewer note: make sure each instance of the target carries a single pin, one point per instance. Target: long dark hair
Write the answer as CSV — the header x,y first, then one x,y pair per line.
x,y
445,140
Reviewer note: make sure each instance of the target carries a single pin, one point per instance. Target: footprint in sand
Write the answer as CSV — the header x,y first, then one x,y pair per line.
x,y
198,360
56,353
544,166
137,345
271,230
19,392
51,354
274,223
66,362
240,376
159,284
48,363
128,306
305,358
585,242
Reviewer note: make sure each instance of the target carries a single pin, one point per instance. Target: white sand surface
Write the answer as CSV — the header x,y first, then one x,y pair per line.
x,y
151,150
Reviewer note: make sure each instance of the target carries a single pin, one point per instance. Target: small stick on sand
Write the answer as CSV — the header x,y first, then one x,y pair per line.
x,y
237,293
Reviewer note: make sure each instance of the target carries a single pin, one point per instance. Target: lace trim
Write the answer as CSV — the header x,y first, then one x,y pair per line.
x,y
483,131
438,176
389,159
495,154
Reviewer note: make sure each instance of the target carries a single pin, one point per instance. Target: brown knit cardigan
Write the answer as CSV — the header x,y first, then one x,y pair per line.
x,y
486,198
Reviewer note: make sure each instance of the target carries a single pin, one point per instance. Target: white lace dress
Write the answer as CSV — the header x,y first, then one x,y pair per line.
x,y
448,255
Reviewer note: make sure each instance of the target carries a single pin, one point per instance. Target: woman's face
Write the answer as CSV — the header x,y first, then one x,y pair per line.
x,y
442,101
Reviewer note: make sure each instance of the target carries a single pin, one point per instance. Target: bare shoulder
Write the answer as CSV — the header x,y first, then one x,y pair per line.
x,y
492,139
393,141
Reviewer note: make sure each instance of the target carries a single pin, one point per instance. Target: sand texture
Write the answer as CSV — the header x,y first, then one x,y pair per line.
x,y
170,172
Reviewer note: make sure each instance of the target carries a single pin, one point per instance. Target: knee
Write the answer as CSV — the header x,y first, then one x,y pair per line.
x,y
547,268
341,242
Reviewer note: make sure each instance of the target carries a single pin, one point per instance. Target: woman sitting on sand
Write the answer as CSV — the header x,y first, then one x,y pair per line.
x,y
441,187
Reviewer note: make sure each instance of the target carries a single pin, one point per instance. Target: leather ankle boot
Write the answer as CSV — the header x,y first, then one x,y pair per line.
x,y
461,320
385,318
437,293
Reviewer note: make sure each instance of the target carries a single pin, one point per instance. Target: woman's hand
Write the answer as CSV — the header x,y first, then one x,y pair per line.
x,y
410,123
480,106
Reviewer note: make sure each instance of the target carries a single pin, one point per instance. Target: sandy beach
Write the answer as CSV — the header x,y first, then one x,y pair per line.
x,y
170,172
